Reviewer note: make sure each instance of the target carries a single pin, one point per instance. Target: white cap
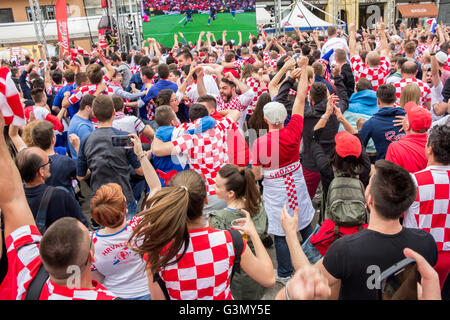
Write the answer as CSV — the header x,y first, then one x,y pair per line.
x,y
275,113
441,57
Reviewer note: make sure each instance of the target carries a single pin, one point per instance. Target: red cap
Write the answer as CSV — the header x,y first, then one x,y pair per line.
x,y
347,145
419,118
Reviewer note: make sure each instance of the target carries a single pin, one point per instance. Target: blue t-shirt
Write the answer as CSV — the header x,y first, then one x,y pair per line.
x,y
72,109
81,127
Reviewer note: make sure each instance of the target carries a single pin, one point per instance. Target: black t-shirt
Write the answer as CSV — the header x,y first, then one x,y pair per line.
x,y
358,259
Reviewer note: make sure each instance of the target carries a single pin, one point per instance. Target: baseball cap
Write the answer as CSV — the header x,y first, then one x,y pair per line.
x,y
419,118
441,57
347,145
275,112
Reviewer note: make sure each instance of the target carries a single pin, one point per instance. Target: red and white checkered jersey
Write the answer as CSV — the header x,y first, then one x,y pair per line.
x,y
240,103
425,91
206,151
239,64
257,89
431,209
421,49
53,89
268,60
135,69
88,89
204,272
376,75
24,262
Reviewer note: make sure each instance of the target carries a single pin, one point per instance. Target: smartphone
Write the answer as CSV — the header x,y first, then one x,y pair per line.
x,y
399,282
122,141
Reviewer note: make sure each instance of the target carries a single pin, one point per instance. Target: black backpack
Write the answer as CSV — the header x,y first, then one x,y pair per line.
x,y
36,285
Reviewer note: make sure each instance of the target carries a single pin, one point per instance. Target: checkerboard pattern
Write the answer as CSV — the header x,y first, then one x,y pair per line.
x,y
24,260
206,151
24,263
291,191
421,49
135,69
88,89
431,209
233,104
376,76
257,89
204,272
50,291
272,62
425,91
53,89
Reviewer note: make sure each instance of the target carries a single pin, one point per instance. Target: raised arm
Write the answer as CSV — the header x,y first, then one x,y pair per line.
x,y
289,64
299,103
352,40
384,43
436,79
199,41
13,203
149,172
17,140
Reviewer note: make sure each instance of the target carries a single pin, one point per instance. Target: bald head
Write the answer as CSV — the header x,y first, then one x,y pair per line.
x,y
30,161
373,59
409,68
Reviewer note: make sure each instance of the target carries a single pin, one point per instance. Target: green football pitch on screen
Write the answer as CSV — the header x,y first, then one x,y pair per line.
x,y
163,27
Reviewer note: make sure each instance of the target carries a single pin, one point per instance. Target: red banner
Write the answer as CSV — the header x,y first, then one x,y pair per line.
x,y
61,24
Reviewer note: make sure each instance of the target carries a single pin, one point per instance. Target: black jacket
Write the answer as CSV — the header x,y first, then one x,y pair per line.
x,y
285,98
446,90
326,171
312,116
348,79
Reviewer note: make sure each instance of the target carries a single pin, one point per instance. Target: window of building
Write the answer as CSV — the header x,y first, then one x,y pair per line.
x,y
6,15
48,13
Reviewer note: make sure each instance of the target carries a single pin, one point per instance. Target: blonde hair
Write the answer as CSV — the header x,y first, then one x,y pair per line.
x,y
411,92
27,136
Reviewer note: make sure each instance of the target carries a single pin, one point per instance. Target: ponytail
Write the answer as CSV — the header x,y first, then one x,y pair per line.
x,y
163,232
163,224
242,181
252,196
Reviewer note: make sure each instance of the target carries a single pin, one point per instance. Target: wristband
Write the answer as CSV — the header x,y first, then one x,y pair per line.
x,y
286,293
432,54
141,156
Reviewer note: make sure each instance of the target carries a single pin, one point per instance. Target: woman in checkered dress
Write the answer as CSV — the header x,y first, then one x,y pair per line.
x,y
186,260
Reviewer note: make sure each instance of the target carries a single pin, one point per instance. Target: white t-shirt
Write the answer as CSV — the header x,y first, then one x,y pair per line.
x,y
436,93
334,43
192,92
124,269
130,124
40,112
